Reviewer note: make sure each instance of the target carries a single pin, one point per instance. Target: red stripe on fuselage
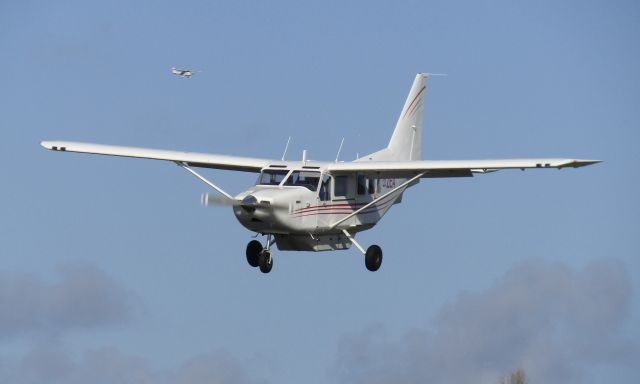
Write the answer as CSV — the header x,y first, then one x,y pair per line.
x,y
329,210
342,212
347,206
329,206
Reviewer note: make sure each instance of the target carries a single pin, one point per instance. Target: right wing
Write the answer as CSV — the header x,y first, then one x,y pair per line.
x,y
202,160
452,168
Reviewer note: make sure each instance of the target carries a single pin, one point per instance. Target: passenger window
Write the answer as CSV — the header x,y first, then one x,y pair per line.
x,y
340,186
362,185
372,186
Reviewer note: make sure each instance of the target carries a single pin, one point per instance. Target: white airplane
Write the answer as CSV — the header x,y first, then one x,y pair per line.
x,y
319,206
182,72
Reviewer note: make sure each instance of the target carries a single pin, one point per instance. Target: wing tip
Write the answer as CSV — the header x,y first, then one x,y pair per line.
x,y
582,163
54,145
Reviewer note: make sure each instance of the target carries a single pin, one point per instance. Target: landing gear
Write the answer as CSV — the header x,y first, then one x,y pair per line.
x,y
259,255
253,252
373,258
265,261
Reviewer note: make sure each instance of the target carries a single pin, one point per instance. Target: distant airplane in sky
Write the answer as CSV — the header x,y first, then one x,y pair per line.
x,y
183,72
312,205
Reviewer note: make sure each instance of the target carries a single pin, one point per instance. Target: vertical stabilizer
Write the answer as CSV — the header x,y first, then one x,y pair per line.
x,y
406,141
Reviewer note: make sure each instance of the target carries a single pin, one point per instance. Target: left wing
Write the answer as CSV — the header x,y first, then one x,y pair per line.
x,y
452,168
194,159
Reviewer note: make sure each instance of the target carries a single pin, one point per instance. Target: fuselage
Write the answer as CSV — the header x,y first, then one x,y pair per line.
x,y
302,204
181,72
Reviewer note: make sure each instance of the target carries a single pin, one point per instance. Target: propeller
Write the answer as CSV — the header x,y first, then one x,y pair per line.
x,y
208,200
249,203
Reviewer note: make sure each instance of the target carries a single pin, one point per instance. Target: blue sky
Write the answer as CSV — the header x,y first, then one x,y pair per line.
x,y
112,270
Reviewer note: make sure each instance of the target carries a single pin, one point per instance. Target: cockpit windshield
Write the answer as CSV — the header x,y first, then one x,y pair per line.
x,y
307,179
272,176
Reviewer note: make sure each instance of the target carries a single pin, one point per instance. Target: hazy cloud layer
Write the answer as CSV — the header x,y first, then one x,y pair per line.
x,y
50,364
550,320
81,297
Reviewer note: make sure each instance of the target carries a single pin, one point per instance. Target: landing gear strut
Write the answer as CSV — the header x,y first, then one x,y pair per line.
x,y
259,256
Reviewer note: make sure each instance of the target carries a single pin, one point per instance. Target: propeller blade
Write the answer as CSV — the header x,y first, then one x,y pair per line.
x,y
221,200
208,199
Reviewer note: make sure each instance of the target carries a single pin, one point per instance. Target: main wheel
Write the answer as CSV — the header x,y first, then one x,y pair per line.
x,y
373,258
253,251
265,261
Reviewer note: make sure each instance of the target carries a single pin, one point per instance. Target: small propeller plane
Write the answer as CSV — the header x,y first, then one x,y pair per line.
x,y
320,206
182,72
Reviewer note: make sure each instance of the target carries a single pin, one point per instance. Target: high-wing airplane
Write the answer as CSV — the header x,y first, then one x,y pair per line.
x,y
182,72
320,206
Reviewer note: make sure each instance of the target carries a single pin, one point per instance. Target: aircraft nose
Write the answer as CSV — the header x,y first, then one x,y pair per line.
x,y
260,210
249,203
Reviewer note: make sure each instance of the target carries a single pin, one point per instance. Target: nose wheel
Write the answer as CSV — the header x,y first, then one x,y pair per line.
x,y
259,255
265,261
253,253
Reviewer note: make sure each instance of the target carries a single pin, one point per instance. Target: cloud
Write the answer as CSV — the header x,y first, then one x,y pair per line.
x,y
544,317
218,367
51,364
83,297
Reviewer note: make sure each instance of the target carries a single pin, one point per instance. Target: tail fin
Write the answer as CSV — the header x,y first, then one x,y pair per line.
x,y
406,141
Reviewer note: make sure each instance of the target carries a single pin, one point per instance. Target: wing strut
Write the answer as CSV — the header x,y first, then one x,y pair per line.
x,y
411,180
196,174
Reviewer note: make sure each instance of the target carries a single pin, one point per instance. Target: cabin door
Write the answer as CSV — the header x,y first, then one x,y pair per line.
x,y
339,200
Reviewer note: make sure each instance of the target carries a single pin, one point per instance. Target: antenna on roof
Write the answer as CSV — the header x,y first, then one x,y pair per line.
x,y
285,148
339,150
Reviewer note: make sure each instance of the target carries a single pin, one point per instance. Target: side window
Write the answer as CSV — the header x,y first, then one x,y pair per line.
x,y
307,179
372,186
362,184
325,189
340,186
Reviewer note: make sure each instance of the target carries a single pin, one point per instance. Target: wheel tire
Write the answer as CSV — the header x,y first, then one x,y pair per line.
x,y
373,258
253,252
266,261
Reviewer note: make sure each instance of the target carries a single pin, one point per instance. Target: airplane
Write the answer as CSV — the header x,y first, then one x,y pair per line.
x,y
316,206
183,72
